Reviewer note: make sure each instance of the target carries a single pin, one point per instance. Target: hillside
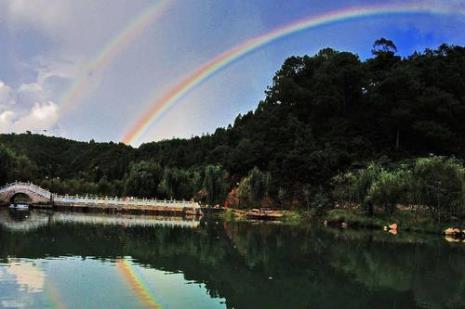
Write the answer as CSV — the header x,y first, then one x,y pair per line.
x,y
322,115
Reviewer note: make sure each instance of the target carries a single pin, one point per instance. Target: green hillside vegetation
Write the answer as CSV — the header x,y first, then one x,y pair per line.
x,y
323,116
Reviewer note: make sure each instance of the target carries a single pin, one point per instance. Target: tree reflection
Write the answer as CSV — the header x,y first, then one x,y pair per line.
x,y
269,265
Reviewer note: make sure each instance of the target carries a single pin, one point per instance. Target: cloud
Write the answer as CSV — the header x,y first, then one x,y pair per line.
x,y
26,108
6,119
48,15
5,95
42,116
30,93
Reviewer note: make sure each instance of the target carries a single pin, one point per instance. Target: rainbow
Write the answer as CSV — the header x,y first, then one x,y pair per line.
x,y
84,81
54,296
158,107
136,284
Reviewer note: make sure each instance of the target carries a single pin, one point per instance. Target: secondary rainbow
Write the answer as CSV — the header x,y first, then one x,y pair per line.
x,y
136,284
158,107
84,81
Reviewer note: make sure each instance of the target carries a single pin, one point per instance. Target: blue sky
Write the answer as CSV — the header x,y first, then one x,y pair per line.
x,y
45,44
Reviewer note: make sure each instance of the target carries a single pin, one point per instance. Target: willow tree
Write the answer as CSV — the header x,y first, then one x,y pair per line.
x,y
143,179
254,187
389,189
439,184
215,183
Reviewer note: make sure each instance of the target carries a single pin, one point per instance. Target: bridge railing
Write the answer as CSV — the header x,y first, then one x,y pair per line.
x,y
18,185
128,201
77,199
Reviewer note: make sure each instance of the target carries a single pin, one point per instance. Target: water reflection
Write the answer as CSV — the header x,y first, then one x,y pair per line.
x,y
215,265
27,275
30,220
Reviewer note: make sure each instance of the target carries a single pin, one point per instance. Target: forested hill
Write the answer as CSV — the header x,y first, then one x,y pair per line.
x,y
322,115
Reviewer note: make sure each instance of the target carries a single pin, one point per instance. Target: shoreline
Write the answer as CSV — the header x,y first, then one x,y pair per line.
x,y
402,221
118,209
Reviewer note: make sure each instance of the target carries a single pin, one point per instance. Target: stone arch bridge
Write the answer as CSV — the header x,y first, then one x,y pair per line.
x,y
28,193
24,192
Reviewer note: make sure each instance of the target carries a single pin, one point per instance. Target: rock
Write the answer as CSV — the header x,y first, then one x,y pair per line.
x,y
452,231
391,227
451,239
344,225
449,231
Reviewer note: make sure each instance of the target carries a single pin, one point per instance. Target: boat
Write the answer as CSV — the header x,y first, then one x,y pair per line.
x,y
208,210
19,207
264,214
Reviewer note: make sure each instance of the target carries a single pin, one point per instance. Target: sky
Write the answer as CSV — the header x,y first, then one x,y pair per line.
x,y
90,69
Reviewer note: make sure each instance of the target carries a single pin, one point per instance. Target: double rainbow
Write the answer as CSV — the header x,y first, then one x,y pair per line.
x,y
159,106
84,82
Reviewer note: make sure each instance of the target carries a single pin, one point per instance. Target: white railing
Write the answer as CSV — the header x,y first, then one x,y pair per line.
x,y
92,200
128,201
27,186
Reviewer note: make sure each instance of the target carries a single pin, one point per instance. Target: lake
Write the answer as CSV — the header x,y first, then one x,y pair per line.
x,y
81,260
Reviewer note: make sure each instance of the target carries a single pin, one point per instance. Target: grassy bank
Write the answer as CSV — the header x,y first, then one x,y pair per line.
x,y
406,220
289,216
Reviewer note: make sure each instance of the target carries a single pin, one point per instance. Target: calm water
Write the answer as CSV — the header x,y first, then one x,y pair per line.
x,y
68,260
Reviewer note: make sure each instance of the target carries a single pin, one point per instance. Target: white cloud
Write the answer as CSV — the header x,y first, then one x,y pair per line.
x,y
49,15
5,95
26,108
6,119
42,116
28,94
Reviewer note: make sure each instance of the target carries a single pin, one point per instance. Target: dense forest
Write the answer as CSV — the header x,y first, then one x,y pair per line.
x,y
323,115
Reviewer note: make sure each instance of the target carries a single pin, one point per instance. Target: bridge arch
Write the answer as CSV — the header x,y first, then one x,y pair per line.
x,y
20,198
24,192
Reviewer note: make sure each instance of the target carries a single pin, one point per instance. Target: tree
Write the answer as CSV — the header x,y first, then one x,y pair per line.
x,y
362,186
254,188
215,184
143,179
7,164
389,188
439,183
384,46
178,184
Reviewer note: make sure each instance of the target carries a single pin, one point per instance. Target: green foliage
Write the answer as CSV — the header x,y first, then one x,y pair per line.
x,y
254,188
178,184
15,167
228,215
322,115
435,182
143,179
365,180
439,183
215,183
389,189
